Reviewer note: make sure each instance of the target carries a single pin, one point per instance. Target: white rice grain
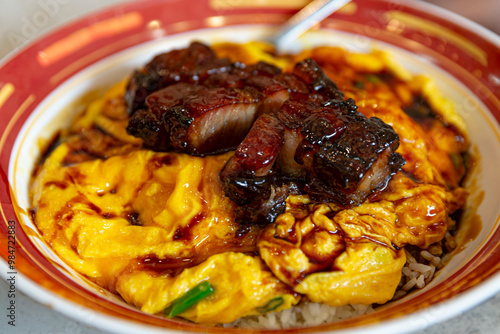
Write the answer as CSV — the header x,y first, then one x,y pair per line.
x,y
410,284
422,268
436,261
406,271
431,274
409,257
414,274
399,294
344,312
360,309
426,255
420,282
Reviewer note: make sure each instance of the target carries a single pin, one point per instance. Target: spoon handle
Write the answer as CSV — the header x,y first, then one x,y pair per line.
x,y
307,17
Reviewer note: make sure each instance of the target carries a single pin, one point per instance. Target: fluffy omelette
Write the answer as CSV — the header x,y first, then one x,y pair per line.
x,y
151,226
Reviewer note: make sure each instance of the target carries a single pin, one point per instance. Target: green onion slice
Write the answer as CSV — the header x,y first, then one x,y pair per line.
x,y
455,159
272,305
359,84
372,78
186,301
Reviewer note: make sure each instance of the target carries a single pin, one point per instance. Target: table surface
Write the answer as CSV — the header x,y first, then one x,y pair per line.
x,y
35,318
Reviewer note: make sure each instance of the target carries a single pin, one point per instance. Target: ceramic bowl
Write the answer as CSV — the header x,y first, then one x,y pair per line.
x,y
39,82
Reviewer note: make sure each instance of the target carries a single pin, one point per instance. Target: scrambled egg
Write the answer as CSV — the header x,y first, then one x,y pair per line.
x,y
150,226
242,285
326,259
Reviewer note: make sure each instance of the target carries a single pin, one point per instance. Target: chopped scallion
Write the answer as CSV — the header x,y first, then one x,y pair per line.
x,y
186,301
272,305
359,84
455,159
372,78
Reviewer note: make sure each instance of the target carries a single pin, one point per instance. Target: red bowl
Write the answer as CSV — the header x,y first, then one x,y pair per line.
x,y
38,80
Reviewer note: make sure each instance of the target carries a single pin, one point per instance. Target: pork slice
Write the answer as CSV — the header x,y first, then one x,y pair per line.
x,y
308,125
318,82
298,88
162,100
146,125
262,69
257,153
212,121
361,160
193,65
292,115
247,175
272,93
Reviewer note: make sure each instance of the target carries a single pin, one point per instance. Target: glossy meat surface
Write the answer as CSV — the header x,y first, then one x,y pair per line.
x,y
253,161
195,119
318,82
192,65
324,144
207,109
361,160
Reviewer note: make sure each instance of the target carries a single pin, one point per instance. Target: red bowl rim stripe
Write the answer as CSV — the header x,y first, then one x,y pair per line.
x,y
23,101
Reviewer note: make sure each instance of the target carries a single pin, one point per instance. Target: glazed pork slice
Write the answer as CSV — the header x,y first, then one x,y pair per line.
x,y
208,108
320,85
148,123
342,155
195,119
248,174
329,150
192,65
362,160
344,161
292,115
273,93
250,178
219,119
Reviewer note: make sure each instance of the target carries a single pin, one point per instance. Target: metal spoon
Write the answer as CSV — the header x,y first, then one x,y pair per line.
x,y
314,12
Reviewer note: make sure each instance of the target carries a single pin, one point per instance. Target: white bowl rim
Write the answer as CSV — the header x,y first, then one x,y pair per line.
x,y
455,305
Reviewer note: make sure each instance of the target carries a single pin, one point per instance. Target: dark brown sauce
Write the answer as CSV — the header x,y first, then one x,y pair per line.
x,y
69,217
243,229
32,214
47,148
471,231
93,207
470,225
165,160
58,184
365,238
420,111
133,218
67,211
185,233
173,265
